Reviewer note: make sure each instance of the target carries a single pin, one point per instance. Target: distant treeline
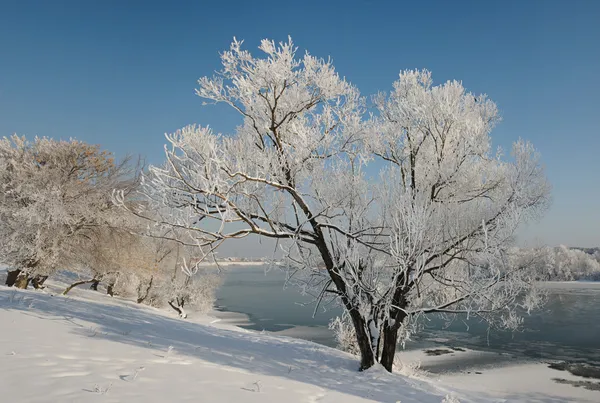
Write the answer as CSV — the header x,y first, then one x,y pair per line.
x,y
563,263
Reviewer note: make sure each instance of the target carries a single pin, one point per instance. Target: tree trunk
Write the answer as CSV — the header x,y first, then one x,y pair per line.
x,y
95,285
141,298
38,281
17,278
75,284
390,332
110,289
22,280
390,340
178,308
11,277
367,356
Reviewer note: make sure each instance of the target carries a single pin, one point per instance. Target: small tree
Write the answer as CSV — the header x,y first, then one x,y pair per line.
x,y
108,253
186,289
157,271
53,194
430,237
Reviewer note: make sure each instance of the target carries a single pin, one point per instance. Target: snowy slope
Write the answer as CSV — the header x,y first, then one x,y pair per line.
x,y
91,347
96,348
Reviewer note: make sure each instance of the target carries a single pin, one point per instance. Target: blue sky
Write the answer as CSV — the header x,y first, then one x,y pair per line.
x,y
122,73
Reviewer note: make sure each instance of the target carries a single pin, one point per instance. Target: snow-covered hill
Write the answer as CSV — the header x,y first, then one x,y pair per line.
x,y
89,347
92,347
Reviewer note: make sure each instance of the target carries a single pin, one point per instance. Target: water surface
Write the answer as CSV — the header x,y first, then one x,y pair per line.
x,y
568,328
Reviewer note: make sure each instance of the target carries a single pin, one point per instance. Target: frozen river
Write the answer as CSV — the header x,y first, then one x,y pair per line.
x,y
568,328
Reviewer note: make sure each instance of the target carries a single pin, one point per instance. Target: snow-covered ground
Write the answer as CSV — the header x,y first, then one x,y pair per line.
x,y
91,347
504,376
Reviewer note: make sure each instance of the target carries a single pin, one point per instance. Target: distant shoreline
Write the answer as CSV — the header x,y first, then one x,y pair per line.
x,y
546,284
569,284
233,263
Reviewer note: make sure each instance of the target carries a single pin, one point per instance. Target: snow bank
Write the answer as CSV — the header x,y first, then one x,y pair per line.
x,y
503,376
533,382
92,347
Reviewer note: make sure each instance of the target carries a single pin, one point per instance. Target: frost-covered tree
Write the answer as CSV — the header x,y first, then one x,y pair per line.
x,y
453,206
53,194
160,272
183,288
429,237
562,263
114,255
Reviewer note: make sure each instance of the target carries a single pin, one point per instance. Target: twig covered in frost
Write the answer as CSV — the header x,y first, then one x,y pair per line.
x,y
102,390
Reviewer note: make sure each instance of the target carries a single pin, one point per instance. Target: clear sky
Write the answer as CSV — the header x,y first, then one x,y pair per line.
x,y
122,73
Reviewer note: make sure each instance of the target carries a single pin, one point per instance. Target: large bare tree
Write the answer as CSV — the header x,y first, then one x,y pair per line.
x,y
429,235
